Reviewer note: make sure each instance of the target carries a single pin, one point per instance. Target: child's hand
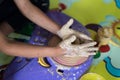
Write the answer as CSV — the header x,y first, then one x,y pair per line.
x,y
72,50
66,32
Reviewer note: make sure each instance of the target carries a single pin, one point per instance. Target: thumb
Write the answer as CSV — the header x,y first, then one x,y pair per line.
x,y
68,24
65,44
70,39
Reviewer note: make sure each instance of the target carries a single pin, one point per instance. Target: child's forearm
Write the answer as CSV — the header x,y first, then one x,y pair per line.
x,y
36,15
28,50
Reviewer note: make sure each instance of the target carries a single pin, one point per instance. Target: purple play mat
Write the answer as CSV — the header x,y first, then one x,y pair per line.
x,y
29,69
